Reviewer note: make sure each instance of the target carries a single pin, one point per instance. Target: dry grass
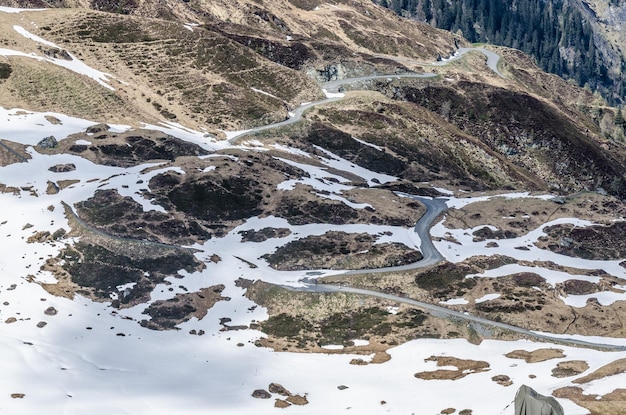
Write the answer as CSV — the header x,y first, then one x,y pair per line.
x,y
539,355
464,367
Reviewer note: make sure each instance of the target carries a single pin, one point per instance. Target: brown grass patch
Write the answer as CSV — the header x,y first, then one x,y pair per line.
x,y
464,367
614,368
539,355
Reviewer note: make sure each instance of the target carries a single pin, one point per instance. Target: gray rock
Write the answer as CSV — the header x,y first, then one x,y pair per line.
x,y
261,394
48,142
97,128
63,168
279,389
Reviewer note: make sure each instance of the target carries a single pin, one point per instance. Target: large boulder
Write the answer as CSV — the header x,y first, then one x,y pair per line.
x,y
529,402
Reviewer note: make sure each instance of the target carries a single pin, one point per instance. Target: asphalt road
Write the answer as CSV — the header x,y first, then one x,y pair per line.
x,y
431,256
434,207
334,87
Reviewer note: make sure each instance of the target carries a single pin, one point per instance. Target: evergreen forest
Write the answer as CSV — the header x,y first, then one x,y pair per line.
x,y
555,32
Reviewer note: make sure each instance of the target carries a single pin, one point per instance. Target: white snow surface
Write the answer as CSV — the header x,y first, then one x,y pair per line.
x,y
74,65
487,297
5,9
92,358
455,301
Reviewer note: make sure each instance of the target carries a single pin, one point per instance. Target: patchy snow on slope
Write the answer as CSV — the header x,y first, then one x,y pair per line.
x,y
342,164
455,301
74,64
552,277
29,127
333,94
92,358
5,9
379,148
487,297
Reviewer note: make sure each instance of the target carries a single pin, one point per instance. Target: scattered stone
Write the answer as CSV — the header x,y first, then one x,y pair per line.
x,y
539,355
342,387
243,283
503,380
298,400
448,411
56,53
40,237
97,128
10,320
62,168
279,389
18,395
281,403
465,412
358,362
261,394
569,368
48,142
27,226
51,311
42,324
53,120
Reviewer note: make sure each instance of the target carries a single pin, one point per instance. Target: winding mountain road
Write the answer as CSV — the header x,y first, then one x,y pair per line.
x,y
434,208
333,87
456,315
431,256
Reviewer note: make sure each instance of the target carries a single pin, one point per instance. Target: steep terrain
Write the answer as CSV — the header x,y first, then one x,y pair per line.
x,y
144,206
577,39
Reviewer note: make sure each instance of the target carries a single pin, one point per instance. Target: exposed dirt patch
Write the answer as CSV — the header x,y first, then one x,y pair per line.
x,y
569,368
11,152
610,404
539,355
102,266
166,314
263,234
123,217
464,368
614,368
503,380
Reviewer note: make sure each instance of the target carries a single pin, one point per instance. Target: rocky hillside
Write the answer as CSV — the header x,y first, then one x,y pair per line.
x,y
578,39
218,66
240,178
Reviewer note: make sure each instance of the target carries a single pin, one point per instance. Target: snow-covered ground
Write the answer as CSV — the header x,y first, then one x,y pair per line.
x,y
91,358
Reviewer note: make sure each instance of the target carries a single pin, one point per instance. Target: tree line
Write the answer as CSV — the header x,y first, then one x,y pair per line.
x,y
554,32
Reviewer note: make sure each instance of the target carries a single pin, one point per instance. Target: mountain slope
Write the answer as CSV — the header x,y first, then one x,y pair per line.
x,y
576,39
136,215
